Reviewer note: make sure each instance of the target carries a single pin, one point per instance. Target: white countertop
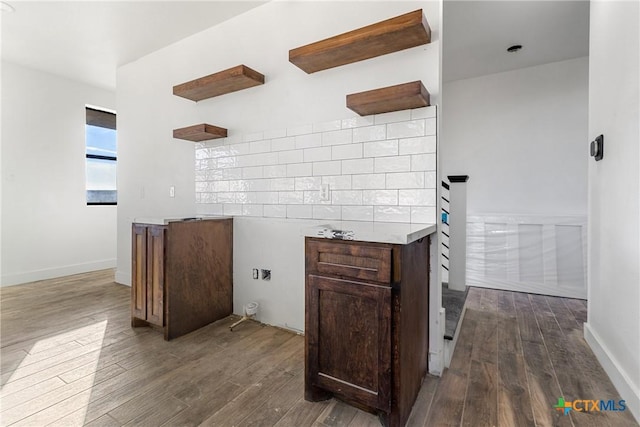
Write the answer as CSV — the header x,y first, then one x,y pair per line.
x,y
381,232
165,221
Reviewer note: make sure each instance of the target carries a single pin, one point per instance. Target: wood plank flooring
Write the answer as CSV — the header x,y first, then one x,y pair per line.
x,y
69,358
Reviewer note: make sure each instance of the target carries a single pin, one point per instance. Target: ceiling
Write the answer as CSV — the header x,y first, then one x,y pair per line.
x,y
88,40
478,33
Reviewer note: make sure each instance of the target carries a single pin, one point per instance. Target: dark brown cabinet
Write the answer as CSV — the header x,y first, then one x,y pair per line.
x,y
147,284
182,275
366,325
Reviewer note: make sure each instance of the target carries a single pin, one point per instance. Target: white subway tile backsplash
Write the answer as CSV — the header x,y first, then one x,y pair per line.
x,y
370,133
405,180
392,213
308,141
299,211
292,156
380,197
317,154
423,113
282,184
283,144
219,174
299,130
338,137
357,166
253,172
327,212
265,197
327,168
337,182
231,173
308,183
226,197
239,149
238,185
423,162
418,145
262,146
406,129
299,169
423,214
275,211
219,186
356,122
210,209
290,197
378,168
231,209
392,164
327,126
252,210
346,197
430,126
395,116
242,197
422,197
368,181
349,151
430,180
357,213
381,148
275,171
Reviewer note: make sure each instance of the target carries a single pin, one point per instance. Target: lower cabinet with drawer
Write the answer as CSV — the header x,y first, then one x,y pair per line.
x,y
366,324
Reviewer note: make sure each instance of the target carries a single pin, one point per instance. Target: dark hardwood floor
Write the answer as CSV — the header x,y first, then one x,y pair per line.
x,y
69,357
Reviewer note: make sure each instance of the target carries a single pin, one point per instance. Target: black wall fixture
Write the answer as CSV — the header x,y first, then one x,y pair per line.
x,y
597,148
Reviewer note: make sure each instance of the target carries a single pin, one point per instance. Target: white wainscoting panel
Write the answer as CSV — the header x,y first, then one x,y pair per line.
x,y
536,254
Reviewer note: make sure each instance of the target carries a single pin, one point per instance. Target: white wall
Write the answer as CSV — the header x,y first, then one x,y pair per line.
x,y
613,327
521,136
152,160
47,229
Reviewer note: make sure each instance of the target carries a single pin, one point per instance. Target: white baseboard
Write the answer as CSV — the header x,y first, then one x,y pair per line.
x,y
52,273
123,277
629,391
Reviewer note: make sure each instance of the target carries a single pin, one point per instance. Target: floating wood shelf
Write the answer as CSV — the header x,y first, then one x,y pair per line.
x,y
202,132
236,78
387,99
391,35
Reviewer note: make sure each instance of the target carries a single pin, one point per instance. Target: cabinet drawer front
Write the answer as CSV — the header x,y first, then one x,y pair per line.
x,y
356,260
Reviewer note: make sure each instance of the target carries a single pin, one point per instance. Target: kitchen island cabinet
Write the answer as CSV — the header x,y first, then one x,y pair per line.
x,y
366,324
181,274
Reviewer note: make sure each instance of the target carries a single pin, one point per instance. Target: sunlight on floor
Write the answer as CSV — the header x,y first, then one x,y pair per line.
x,y
60,370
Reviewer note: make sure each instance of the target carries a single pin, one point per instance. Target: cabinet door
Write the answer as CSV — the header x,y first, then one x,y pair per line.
x,y
155,274
139,272
349,339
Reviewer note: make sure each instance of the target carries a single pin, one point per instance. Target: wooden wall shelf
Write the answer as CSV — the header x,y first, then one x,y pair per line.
x,y
202,132
399,33
231,80
392,98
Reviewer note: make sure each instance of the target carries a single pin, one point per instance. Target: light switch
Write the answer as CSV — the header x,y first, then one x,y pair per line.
x,y
172,191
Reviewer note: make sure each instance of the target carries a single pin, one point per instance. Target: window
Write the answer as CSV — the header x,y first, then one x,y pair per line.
x,y
100,135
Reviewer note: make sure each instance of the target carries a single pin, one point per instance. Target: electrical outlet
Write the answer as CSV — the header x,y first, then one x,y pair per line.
x,y
266,274
324,192
255,274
